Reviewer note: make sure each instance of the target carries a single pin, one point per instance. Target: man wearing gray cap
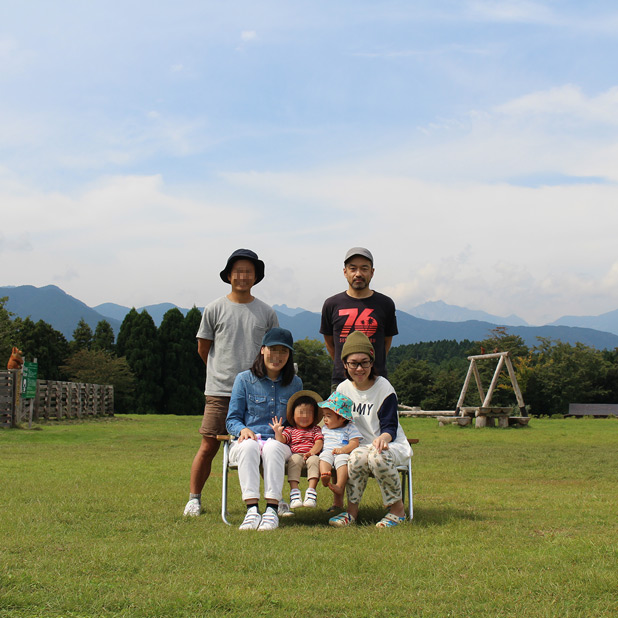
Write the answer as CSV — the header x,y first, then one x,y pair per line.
x,y
358,308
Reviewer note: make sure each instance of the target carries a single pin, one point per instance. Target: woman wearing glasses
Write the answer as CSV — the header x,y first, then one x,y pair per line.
x,y
384,445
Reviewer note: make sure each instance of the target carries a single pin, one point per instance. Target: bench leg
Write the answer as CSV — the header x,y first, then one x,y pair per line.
x,y
406,486
226,457
410,492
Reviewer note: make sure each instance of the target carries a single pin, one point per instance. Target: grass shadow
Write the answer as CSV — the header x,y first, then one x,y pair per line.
x,y
424,517
442,516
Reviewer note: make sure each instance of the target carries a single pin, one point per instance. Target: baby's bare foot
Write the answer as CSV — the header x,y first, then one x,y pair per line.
x,y
338,491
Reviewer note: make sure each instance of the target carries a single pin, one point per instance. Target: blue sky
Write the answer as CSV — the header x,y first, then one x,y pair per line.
x,y
472,146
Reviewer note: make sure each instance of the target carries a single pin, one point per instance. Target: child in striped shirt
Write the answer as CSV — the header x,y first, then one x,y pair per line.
x,y
305,440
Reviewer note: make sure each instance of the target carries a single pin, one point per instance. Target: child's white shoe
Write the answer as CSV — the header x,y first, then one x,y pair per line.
x,y
295,499
311,498
284,510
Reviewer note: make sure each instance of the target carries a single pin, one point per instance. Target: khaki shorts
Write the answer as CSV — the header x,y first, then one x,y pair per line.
x,y
215,413
297,462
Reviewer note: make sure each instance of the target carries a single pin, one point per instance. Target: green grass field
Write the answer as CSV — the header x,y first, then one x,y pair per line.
x,y
517,522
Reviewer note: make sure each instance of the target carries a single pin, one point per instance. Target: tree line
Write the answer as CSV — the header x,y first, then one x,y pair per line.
x,y
551,374
157,369
153,369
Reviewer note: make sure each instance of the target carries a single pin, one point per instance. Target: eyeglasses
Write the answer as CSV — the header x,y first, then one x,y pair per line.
x,y
365,364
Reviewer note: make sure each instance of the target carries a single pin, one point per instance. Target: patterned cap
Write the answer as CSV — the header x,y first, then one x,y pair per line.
x,y
339,404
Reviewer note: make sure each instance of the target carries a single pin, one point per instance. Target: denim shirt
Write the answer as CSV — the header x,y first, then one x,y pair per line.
x,y
254,402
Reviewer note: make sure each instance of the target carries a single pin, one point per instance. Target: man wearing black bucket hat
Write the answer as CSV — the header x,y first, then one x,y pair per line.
x,y
228,341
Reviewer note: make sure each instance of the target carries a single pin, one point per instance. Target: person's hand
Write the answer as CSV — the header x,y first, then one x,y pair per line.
x,y
380,444
276,425
246,434
307,455
337,451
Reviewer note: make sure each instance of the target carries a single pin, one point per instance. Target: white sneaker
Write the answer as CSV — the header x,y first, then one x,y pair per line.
x,y
270,520
284,510
295,501
251,521
193,508
311,498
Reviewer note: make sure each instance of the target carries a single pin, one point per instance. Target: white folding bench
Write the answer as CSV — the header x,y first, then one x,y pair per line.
x,y
405,472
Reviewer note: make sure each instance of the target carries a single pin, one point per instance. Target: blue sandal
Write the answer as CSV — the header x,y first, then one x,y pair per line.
x,y
342,520
390,520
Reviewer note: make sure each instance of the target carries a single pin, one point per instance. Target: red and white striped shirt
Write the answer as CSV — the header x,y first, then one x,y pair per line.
x,y
301,440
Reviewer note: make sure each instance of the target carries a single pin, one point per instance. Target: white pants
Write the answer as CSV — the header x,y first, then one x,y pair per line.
x,y
273,457
335,460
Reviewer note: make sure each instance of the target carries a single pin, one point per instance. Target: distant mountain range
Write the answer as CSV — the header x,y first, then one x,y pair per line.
x,y
63,312
288,310
156,312
439,310
606,321
54,306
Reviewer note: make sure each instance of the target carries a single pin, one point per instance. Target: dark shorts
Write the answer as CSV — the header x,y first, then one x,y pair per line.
x,y
215,413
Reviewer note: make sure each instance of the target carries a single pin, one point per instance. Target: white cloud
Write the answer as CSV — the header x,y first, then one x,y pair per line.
x,y
511,11
566,104
124,239
499,247
557,132
133,183
539,252
18,243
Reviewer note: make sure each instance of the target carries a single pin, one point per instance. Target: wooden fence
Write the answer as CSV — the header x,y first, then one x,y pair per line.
x,y
53,401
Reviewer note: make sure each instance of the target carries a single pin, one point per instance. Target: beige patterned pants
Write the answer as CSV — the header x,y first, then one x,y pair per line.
x,y
366,460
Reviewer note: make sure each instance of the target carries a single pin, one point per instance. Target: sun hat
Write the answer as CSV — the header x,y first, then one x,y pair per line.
x,y
294,398
339,404
357,342
243,254
358,251
278,336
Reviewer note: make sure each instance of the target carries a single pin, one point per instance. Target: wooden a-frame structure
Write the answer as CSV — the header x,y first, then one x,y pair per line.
x,y
485,412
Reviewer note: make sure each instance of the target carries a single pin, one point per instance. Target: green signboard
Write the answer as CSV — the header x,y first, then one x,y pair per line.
x,y
28,384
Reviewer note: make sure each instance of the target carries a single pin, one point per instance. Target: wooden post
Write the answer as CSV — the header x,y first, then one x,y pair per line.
x,y
18,400
520,399
494,381
464,390
477,377
7,398
480,421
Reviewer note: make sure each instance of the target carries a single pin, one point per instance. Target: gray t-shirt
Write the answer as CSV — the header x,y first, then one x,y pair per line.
x,y
236,331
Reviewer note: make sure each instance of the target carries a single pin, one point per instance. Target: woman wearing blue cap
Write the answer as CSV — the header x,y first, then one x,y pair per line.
x,y
258,397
